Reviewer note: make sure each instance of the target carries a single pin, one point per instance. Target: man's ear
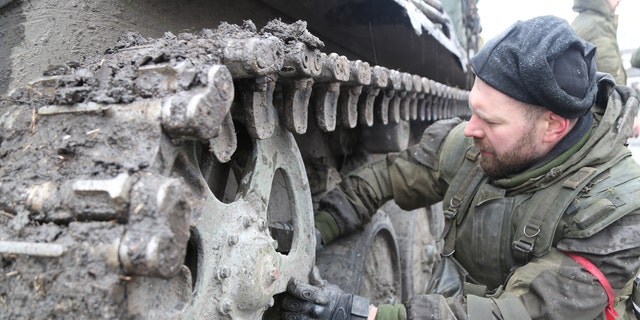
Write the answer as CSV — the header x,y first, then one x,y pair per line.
x,y
556,127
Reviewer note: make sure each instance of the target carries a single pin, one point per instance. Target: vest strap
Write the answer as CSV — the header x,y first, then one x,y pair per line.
x,y
548,211
458,206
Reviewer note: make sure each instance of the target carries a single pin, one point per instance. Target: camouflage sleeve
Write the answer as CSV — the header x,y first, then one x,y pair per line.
x,y
411,178
553,286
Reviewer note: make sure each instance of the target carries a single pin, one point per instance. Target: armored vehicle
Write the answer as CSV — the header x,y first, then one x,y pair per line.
x,y
162,159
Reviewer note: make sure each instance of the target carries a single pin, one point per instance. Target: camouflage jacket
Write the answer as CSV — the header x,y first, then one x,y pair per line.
x,y
598,24
599,221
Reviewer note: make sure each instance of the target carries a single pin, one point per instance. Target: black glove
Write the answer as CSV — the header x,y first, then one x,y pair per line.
x,y
319,300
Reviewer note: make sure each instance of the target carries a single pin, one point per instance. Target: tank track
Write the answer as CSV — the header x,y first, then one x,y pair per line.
x,y
115,173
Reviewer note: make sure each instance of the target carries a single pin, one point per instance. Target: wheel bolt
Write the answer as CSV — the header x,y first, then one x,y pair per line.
x,y
232,239
224,307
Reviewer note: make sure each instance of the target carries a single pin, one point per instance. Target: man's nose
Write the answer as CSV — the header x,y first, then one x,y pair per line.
x,y
473,129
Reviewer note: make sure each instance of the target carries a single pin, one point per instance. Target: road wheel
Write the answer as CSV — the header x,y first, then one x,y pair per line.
x,y
417,231
233,267
366,263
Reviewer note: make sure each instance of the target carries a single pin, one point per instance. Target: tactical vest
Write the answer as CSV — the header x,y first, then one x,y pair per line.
x,y
503,232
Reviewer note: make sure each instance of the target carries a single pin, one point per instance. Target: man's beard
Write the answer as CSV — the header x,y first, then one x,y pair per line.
x,y
514,160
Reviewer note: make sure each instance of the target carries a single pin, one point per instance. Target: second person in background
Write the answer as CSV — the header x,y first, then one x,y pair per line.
x,y
597,22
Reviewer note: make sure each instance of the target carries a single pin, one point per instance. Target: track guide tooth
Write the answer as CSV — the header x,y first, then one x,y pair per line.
x,y
366,106
259,112
348,103
359,76
326,104
296,95
224,145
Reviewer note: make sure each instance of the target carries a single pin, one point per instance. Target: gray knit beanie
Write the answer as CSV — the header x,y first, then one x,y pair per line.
x,y
541,61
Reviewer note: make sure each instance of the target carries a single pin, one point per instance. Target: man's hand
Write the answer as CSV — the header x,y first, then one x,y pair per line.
x,y
319,300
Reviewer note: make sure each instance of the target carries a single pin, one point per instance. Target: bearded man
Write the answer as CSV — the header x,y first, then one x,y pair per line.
x,y
541,195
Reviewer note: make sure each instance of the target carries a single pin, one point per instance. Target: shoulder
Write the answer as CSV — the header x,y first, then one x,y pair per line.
x,y
590,25
612,197
438,137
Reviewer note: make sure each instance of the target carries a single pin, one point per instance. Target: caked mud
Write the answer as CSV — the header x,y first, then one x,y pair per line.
x,y
142,183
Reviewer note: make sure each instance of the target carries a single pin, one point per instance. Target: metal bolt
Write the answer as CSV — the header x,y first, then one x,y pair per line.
x,y
305,59
273,275
223,273
262,225
247,221
232,239
224,307
32,248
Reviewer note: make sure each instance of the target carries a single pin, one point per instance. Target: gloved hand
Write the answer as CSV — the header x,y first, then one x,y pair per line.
x,y
320,300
